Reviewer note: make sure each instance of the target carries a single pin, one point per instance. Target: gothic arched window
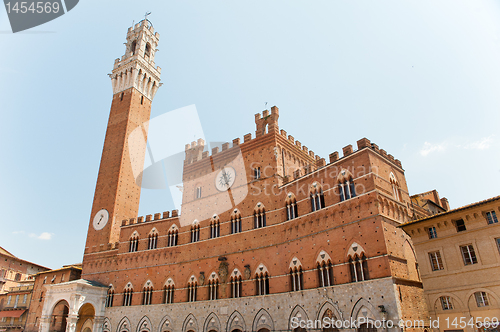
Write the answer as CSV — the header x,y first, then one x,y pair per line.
x,y
172,236
134,242
262,280
110,297
168,291
259,216
395,186
127,295
195,232
291,207
325,269
346,186
153,239
214,227
192,289
317,197
296,276
235,281
213,287
147,293
358,268
235,222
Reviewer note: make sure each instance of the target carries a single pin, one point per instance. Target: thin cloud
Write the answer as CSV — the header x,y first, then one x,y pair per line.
x,y
482,144
43,236
428,148
18,232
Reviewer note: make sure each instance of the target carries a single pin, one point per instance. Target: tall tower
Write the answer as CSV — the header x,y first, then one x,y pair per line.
x,y
135,80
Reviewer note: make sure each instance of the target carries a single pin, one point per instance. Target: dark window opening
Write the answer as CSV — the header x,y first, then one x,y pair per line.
x,y
347,190
172,238
259,219
291,210
325,274
132,47
168,294
491,217
192,292
296,279
109,298
256,173
432,232
468,254
152,241
127,297
460,224
195,233
359,268
317,201
262,284
133,244
147,295
215,229
236,224
436,261
236,287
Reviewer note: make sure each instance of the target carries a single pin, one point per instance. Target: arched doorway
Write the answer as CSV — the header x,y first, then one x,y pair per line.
x,y
59,317
331,318
367,328
263,330
86,316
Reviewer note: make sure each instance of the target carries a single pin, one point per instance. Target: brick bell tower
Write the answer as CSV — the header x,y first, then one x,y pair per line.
x,y
135,80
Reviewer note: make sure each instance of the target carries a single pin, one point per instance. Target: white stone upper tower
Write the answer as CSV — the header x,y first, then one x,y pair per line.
x,y
136,68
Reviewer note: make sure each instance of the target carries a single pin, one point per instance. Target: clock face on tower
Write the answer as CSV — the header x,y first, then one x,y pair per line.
x,y
100,219
225,178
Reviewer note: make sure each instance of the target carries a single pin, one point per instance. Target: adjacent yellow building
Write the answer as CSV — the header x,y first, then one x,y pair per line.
x,y
458,252
14,307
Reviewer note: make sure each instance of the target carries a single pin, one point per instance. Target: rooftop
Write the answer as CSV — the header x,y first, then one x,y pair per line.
x,y
65,267
8,254
465,207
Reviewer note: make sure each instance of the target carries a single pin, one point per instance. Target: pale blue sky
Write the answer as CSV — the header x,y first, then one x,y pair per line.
x,y
419,78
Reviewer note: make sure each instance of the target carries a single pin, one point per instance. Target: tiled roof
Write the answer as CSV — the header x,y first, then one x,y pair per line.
x,y
422,194
465,207
5,252
65,267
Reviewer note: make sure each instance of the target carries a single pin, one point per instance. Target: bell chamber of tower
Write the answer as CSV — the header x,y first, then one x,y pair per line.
x,y
136,68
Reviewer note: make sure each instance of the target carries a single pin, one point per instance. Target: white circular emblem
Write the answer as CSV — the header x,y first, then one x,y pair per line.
x,y
100,219
225,178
